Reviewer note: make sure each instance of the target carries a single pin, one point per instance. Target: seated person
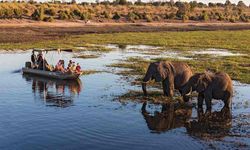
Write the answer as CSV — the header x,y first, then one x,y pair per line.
x,y
59,66
78,68
69,64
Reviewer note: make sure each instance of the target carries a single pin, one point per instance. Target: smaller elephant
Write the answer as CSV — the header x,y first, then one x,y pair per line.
x,y
173,75
211,86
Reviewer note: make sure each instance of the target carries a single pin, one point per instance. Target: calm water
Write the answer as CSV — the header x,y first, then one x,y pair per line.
x,y
37,113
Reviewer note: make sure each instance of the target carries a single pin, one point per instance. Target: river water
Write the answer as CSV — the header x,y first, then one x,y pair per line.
x,y
38,113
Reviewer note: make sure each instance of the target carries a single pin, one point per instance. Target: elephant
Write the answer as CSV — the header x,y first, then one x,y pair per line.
x,y
170,117
173,75
210,86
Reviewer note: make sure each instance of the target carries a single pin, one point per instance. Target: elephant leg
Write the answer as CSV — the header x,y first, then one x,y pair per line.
x,y
200,101
169,88
227,100
164,88
208,100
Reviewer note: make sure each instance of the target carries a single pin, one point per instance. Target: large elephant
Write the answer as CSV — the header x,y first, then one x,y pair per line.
x,y
211,85
173,75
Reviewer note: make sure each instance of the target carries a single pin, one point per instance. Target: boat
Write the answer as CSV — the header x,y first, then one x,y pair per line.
x,y
49,74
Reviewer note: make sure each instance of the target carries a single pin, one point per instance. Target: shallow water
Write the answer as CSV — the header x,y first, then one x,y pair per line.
x,y
37,113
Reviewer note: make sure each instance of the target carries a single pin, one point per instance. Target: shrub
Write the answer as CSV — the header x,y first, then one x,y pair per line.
x,y
62,15
77,12
204,16
132,16
18,13
148,18
116,16
232,20
185,18
170,16
244,18
106,15
85,16
38,14
51,12
48,19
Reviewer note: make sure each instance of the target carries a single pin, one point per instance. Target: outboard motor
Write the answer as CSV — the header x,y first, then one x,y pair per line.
x,y
28,64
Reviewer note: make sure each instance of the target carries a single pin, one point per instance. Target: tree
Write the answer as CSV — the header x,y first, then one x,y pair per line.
x,y
183,10
241,4
73,2
228,3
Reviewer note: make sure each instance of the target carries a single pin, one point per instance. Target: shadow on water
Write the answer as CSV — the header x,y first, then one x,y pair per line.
x,y
215,125
58,93
170,117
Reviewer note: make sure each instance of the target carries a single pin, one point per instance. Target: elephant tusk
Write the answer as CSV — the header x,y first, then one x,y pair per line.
x,y
188,94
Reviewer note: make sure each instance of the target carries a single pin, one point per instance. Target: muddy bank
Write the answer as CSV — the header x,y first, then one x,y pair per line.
x,y
12,32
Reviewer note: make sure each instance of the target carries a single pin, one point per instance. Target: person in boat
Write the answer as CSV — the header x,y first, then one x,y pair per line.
x,y
78,68
69,64
33,59
59,66
73,67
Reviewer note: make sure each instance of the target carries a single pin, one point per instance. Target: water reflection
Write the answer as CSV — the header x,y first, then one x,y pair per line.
x,y
214,125
59,93
170,117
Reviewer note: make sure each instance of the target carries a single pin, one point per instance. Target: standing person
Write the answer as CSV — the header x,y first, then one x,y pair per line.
x,y
33,59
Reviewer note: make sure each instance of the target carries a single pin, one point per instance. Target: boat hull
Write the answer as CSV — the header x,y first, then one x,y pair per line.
x,y
49,74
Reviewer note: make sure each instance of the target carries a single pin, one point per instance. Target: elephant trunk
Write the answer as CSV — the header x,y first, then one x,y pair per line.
x,y
187,90
145,80
144,84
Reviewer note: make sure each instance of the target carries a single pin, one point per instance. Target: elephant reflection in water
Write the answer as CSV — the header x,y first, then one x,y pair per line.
x,y
214,125
170,117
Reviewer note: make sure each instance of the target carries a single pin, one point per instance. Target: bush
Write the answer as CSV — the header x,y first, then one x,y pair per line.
x,y
62,15
185,18
148,18
204,16
85,16
48,19
232,20
18,13
244,18
38,14
77,12
116,16
106,15
51,12
170,16
132,16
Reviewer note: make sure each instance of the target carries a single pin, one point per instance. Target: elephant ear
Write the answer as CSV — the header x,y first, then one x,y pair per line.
x,y
165,69
203,82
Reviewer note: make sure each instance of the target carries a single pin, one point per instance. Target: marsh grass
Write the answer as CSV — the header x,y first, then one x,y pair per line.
x,y
85,56
236,66
155,97
236,41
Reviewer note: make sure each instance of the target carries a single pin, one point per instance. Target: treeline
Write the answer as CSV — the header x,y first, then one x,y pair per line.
x,y
125,11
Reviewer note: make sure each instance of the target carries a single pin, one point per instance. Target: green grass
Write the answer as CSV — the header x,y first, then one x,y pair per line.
x,y
232,40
